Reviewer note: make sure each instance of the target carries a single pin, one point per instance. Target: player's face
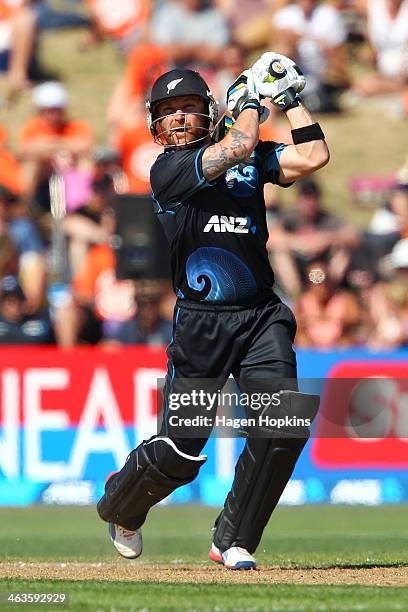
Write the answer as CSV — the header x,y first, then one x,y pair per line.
x,y
182,120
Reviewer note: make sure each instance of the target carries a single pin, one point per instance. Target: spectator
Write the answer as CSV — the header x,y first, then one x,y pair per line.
x,y
15,222
387,34
193,34
327,315
138,152
232,62
19,44
183,33
306,233
392,218
145,63
193,31
123,21
51,141
99,301
388,303
167,303
8,256
11,175
250,20
90,224
314,35
387,226
148,327
78,182
60,15
17,326
107,162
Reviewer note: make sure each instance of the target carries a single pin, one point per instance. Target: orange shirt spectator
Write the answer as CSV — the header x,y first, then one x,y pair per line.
x,y
122,20
7,11
10,170
145,64
51,139
96,284
138,153
3,135
38,128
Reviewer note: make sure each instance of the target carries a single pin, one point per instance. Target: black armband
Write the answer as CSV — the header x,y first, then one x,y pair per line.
x,y
307,134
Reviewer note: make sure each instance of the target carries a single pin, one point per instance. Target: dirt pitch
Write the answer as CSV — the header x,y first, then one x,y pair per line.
x,y
179,572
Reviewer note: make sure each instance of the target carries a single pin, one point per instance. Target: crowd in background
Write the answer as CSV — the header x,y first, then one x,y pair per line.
x,y
58,281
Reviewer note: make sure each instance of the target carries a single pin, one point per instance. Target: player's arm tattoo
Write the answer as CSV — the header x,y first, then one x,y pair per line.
x,y
232,150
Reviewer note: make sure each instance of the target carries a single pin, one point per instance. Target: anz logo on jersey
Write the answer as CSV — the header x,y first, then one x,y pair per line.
x,y
233,225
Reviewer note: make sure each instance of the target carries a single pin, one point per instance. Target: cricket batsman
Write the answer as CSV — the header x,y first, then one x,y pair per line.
x,y
208,194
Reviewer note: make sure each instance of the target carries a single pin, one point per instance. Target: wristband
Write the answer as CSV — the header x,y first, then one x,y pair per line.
x,y
286,100
296,102
307,134
252,103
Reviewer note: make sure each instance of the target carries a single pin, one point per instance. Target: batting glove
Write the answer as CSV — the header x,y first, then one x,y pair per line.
x,y
243,94
279,78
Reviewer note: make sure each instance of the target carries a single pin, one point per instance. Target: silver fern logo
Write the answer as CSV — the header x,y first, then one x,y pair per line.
x,y
173,84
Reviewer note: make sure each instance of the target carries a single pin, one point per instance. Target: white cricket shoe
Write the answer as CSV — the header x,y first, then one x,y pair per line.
x,y
128,543
237,558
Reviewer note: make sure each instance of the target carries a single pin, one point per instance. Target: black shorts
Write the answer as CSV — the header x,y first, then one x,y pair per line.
x,y
212,342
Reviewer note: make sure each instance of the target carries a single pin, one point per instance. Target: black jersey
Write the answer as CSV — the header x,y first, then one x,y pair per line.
x,y
217,230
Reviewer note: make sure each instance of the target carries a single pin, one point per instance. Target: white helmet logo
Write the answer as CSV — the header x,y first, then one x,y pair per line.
x,y
173,84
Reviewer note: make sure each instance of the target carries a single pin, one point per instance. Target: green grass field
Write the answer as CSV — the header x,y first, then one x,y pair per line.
x,y
305,556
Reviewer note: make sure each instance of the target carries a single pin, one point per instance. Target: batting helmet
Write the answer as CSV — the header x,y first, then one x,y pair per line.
x,y
175,83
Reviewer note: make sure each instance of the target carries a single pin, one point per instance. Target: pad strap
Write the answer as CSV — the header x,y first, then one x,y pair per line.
x,y
152,471
307,133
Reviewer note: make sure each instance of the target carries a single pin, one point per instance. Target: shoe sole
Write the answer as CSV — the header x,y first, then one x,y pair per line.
x,y
242,565
126,556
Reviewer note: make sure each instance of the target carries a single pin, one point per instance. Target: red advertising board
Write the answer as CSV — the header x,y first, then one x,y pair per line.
x,y
64,379
372,433
59,408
